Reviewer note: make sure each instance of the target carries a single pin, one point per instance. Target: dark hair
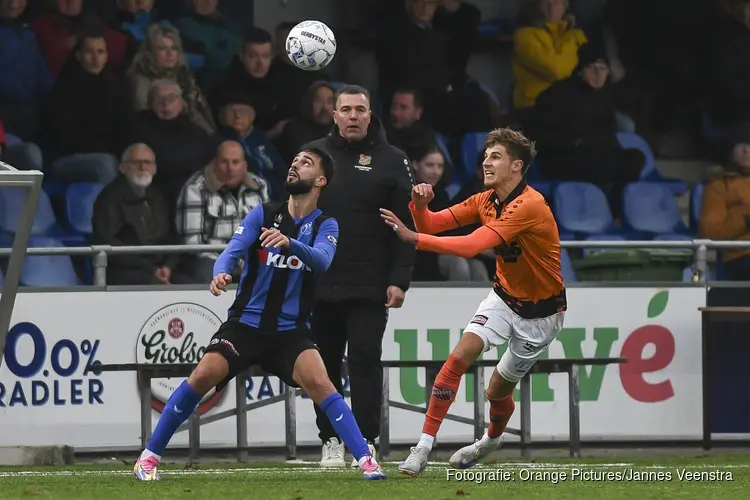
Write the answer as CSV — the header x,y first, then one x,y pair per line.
x,y
516,144
90,30
418,100
326,161
352,90
256,36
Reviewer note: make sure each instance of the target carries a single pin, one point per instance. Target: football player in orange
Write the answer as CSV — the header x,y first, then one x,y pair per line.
x,y
527,304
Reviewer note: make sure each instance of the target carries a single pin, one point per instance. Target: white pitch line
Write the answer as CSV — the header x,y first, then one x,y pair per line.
x,y
292,470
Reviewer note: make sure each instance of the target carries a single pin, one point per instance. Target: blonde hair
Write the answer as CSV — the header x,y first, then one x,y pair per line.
x,y
144,61
518,146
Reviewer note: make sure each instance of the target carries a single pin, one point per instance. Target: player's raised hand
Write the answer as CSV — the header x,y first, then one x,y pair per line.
x,y
219,283
421,195
272,238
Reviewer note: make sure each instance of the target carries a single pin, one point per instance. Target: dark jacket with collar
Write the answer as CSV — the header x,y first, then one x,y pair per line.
x,y
369,175
122,218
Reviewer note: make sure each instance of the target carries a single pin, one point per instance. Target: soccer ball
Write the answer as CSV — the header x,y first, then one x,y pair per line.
x,y
311,45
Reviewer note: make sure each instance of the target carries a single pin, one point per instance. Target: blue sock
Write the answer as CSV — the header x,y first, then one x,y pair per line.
x,y
342,419
180,406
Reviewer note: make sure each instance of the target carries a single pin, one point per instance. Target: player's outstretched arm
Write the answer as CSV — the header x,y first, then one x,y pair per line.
x,y
467,246
319,256
242,239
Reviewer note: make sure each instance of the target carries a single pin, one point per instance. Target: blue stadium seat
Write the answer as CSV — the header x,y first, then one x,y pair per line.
x,y
601,237
547,188
672,237
453,189
569,274
11,203
630,140
490,93
581,207
471,145
442,143
12,140
48,270
650,207
79,205
696,201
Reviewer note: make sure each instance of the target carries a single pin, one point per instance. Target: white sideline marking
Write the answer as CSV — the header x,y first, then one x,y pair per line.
x,y
292,470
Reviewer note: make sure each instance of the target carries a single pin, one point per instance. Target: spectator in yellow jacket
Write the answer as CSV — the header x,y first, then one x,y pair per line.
x,y
545,49
725,208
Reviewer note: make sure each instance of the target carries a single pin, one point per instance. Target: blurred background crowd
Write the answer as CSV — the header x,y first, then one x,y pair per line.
x,y
166,121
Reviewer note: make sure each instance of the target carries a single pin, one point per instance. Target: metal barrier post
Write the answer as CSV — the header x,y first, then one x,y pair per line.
x,y
574,421
479,421
290,412
31,182
385,417
100,265
525,415
701,266
240,398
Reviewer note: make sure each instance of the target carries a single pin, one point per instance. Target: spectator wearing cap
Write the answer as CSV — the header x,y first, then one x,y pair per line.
x,y
251,74
58,30
725,208
237,117
314,121
161,57
575,125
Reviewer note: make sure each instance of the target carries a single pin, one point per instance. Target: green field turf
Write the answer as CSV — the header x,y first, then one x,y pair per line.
x,y
659,478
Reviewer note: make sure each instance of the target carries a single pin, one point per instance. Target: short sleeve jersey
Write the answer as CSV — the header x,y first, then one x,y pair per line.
x,y
528,260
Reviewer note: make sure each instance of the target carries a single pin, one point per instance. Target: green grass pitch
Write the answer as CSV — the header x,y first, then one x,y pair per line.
x,y
709,477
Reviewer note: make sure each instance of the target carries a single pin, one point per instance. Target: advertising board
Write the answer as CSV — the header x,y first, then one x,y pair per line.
x,y
48,398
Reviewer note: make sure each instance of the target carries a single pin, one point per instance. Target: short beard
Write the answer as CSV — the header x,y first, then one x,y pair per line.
x,y
299,187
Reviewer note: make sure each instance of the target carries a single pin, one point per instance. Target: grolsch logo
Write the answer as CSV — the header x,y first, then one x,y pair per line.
x,y
176,334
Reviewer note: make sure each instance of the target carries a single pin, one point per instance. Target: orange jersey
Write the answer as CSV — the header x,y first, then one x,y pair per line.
x,y
521,230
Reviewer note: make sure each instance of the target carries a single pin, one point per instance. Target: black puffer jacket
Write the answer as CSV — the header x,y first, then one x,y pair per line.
x,y
369,175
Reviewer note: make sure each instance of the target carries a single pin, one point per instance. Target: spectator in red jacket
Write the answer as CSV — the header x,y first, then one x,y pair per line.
x,y
58,30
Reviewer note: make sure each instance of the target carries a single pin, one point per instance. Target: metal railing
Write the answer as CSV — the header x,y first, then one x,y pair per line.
x,y
100,253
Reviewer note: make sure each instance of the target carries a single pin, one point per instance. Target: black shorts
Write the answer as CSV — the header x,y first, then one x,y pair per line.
x,y
244,346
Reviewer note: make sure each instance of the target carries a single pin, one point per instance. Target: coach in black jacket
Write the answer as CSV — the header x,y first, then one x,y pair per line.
x,y
372,268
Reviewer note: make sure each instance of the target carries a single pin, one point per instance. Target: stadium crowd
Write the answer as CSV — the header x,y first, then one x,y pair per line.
x,y
213,113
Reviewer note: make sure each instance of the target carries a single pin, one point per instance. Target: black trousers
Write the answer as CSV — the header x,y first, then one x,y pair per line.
x,y
361,324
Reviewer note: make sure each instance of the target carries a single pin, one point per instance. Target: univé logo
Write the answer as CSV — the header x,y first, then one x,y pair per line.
x,y
176,334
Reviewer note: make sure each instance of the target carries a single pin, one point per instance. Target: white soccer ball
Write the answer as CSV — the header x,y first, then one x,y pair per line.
x,y
311,45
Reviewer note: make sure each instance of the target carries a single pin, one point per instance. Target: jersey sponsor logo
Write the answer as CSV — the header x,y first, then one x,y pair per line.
x,y
280,261
240,230
332,239
306,229
479,319
177,334
509,253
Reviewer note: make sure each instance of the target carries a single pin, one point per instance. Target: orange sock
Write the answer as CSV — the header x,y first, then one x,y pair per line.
x,y
500,412
443,393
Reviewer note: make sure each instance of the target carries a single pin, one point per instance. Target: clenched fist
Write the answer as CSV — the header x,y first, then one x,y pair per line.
x,y
421,195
